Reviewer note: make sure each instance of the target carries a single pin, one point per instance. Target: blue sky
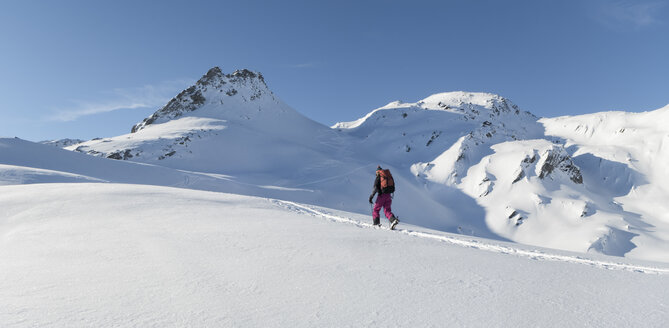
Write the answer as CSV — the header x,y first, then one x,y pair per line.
x,y
85,69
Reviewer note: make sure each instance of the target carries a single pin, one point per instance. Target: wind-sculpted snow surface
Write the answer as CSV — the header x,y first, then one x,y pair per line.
x,y
112,255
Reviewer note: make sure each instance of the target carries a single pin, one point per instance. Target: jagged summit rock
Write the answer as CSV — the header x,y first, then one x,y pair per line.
x,y
214,87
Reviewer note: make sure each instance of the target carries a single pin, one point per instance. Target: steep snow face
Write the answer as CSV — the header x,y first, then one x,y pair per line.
x,y
625,156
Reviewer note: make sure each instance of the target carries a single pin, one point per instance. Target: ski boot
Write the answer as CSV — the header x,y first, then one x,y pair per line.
x,y
393,222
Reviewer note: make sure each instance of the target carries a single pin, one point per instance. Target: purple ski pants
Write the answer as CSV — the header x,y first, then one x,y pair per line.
x,y
385,201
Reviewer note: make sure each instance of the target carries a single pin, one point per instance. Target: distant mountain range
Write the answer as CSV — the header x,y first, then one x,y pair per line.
x,y
471,163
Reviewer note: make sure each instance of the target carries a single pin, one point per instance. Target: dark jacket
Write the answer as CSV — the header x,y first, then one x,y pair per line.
x,y
377,185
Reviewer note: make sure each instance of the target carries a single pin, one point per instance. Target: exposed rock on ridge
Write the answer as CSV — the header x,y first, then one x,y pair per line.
x,y
213,82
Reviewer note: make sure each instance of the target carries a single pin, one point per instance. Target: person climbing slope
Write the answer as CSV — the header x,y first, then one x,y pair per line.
x,y
384,185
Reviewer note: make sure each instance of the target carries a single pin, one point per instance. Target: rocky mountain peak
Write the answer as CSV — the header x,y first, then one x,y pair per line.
x,y
212,87
212,74
215,74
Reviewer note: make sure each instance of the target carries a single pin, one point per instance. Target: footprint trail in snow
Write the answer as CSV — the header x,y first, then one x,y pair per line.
x,y
480,244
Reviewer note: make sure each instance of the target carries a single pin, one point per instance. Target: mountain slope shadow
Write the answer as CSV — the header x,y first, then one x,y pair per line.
x,y
468,215
616,243
604,175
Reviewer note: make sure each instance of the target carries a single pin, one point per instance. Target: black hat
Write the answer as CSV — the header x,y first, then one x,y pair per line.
x,y
378,168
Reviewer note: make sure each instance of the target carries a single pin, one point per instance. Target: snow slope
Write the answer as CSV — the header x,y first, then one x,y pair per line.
x,y
26,162
104,255
549,182
465,162
625,156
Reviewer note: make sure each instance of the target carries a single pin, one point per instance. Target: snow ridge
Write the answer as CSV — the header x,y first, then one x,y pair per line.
x,y
62,143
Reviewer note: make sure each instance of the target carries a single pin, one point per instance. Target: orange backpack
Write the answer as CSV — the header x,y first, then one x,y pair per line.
x,y
387,182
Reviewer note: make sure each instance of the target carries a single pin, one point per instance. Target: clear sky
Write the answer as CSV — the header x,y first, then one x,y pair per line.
x,y
84,69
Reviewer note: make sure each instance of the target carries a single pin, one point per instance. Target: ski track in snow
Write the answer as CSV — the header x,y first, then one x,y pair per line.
x,y
532,254
336,176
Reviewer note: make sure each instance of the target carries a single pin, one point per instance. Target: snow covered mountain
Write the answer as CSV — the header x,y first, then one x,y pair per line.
x,y
217,125
470,163
573,183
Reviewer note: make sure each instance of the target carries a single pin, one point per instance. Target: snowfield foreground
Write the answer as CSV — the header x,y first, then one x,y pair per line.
x,y
119,255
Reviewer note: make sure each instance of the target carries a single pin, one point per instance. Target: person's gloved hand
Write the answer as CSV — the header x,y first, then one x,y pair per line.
x,y
370,198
